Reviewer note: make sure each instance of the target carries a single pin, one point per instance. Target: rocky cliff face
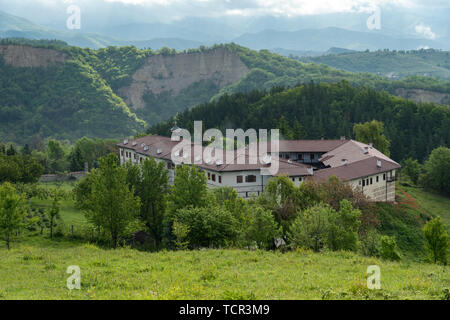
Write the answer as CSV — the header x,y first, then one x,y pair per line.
x,y
30,57
419,95
176,72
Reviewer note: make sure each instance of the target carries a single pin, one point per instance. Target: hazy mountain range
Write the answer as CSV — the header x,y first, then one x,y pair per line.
x,y
192,33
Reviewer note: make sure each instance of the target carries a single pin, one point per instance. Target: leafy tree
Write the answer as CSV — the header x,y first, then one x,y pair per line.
x,y
311,227
12,212
107,200
370,243
26,151
261,228
208,226
437,241
373,132
189,188
53,213
437,170
152,187
412,169
76,160
343,229
56,156
11,151
280,197
181,232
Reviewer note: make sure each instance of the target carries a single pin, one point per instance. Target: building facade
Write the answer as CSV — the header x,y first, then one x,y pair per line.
x,y
360,165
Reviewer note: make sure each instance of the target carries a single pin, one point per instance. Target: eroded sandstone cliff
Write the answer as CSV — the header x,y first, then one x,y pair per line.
x,y
174,73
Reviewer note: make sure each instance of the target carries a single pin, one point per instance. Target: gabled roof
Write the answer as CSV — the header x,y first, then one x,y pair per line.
x,y
241,158
355,170
352,151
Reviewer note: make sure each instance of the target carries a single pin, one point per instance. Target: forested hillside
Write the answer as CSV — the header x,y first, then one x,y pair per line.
x,y
393,64
54,90
314,111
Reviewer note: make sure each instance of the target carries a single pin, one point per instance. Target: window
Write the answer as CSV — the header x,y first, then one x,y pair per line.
x,y
364,183
293,179
250,178
371,181
378,178
367,181
239,179
140,159
384,176
220,179
169,165
209,176
214,177
135,156
300,156
121,152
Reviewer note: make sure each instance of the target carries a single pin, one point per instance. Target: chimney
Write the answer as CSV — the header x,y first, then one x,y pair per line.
x,y
342,138
310,170
366,150
344,162
378,163
371,144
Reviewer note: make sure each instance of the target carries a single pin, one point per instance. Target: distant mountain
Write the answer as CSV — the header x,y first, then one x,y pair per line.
x,y
323,39
398,64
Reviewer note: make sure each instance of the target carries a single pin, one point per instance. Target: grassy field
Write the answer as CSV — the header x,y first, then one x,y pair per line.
x,y
36,267
37,270
432,203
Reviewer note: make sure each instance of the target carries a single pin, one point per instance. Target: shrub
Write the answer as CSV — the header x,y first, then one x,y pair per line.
x,y
180,231
310,229
262,228
437,241
369,244
208,227
388,249
343,227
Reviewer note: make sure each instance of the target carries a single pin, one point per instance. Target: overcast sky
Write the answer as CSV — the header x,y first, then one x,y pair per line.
x,y
425,18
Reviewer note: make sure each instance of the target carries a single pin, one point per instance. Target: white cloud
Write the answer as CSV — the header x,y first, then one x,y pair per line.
x,y
425,31
273,7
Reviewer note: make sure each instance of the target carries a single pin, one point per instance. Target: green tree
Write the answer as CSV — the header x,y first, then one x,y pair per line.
x,y
152,188
212,226
53,213
343,229
56,156
372,132
412,169
12,212
189,188
107,200
437,240
279,196
437,170
310,229
261,227
76,160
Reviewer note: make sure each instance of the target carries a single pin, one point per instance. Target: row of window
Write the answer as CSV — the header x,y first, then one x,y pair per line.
x,y
248,179
312,156
369,181
212,177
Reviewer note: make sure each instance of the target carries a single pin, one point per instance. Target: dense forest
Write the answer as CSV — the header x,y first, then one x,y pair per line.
x,y
391,63
314,111
83,95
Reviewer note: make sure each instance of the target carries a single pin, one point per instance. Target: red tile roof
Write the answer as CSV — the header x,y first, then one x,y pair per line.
x,y
359,169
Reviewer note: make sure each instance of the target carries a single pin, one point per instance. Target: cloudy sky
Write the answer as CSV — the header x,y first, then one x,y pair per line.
x,y
424,18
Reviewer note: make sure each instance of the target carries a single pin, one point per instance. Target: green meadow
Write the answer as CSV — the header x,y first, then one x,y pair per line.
x,y
36,268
